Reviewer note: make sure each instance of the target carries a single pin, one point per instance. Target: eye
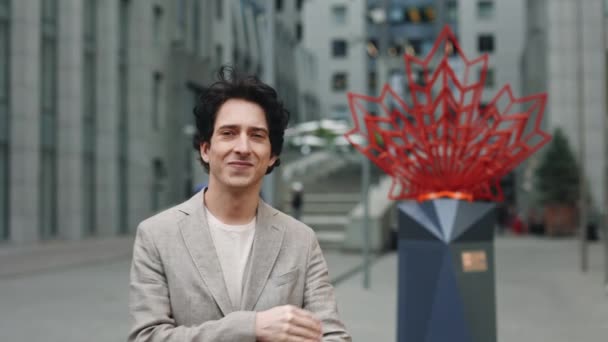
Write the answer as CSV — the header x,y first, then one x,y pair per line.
x,y
226,133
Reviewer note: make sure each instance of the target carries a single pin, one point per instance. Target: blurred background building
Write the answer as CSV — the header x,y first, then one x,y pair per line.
x,y
555,40
335,32
399,27
96,100
96,96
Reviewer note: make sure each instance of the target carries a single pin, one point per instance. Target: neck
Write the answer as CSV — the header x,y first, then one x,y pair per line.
x,y
232,207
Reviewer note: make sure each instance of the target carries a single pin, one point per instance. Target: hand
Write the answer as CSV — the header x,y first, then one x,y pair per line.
x,y
287,323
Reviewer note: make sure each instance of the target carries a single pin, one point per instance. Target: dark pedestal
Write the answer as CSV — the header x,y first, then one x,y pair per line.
x,y
446,272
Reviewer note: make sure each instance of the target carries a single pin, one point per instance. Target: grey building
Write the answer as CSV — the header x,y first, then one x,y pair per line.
x,y
96,101
496,28
553,48
335,31
398,27
307,69
490,27
87,112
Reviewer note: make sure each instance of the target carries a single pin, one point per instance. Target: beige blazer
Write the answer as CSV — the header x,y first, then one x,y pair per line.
x,y
177,290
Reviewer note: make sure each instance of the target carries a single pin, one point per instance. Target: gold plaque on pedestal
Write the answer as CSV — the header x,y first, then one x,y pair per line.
x,y
474,261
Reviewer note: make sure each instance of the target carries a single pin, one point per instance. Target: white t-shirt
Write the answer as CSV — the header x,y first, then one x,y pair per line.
x,y
233,245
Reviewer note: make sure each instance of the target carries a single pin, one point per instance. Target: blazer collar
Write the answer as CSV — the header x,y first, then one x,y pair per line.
x,y
265,250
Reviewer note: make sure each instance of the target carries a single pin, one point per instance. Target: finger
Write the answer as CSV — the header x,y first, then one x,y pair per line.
x,y
304,313
298,333
306,322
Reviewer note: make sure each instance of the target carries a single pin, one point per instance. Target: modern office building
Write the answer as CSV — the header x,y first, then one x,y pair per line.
x,y
559,35
487,27
96,101
335,31
397,27
495,28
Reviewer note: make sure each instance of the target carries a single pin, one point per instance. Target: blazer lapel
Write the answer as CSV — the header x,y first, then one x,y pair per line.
x,y
266,247
198,241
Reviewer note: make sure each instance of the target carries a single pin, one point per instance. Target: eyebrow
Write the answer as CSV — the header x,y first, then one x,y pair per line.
x,y
262,129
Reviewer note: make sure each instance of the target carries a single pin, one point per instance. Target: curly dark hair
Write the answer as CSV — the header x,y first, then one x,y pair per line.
x,y
232,85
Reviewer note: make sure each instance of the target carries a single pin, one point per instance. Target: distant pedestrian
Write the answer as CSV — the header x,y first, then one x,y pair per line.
x,y
297,199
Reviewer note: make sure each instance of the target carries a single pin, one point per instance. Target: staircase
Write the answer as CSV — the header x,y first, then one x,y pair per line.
x,y
329,200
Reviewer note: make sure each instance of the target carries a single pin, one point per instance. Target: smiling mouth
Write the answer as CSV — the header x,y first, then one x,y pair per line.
x,y
240,164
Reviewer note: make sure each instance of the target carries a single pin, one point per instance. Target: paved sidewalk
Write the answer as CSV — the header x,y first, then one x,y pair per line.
x,y
541,295
26,259
53,256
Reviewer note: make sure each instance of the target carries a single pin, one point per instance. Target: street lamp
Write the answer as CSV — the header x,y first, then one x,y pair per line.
x,y
581,141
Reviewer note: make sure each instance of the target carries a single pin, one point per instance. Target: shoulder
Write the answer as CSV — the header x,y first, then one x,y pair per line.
x,y
294,229
164,221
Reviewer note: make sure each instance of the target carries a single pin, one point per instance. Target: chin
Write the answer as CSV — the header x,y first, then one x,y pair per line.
x,y
240,183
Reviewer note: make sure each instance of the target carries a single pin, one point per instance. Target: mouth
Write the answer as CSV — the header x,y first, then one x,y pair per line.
x,y
240,164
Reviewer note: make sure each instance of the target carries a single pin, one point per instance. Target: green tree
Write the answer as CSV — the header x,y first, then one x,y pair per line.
x,y
557,175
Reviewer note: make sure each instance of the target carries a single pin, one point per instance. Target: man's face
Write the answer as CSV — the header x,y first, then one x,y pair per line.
x,y
239,152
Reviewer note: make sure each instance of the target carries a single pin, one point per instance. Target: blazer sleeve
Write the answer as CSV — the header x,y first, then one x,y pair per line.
x,y
319,297
150,309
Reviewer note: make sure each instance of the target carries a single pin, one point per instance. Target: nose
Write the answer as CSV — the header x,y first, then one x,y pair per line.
x,y
242,144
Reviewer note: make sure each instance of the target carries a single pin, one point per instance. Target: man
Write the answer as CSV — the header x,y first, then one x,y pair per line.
x,y
224,265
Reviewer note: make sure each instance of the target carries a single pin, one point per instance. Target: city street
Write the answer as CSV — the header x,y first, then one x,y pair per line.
x,y
541,297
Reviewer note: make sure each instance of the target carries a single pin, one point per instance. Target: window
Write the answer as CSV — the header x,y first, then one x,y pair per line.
x,y
48,123
339,81
371,80
158,174
452,11
338,15
416,46
158,26
490,78
196,27
122,186
396,15
485,9
123,30
4,117
486,43
422,14
299,32
278,5
219,11
395,48
235,56
427,14
89,130
339,112
219,54
338,48
156,99
4,57
88,21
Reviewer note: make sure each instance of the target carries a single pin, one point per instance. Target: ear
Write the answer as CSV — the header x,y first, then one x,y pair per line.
x,y
273,159
204,151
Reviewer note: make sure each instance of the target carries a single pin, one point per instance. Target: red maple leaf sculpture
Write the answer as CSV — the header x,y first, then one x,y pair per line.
x,y
442,143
